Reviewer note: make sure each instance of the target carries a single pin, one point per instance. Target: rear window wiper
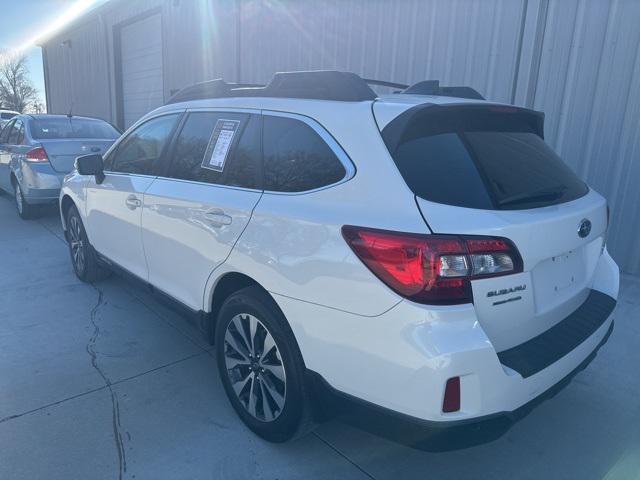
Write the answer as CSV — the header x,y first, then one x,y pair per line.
x,y
537,196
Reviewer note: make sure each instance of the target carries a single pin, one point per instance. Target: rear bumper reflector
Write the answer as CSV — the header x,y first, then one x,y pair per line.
x,y
451,401
538,353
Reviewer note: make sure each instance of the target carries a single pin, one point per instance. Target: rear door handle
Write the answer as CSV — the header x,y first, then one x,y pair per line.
x,y
218,218
132,202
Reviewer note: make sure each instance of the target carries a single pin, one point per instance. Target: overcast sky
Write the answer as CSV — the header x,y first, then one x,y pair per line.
x,y
23,20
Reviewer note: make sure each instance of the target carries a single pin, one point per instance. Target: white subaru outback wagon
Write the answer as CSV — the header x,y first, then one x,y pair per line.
x,y
423,252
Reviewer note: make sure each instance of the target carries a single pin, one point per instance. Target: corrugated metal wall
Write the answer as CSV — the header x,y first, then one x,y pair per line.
x,y
76,72
199,43
469,42
589,87
576,60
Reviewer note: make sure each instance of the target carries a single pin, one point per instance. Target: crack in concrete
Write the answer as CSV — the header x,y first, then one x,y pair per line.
x,y
88,392
49,405
343,455
115,406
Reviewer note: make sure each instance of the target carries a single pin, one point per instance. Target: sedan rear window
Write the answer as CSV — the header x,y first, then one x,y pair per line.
x,y
52,128
480,158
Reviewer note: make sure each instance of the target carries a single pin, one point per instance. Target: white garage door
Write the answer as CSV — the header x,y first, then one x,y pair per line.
x,y
141,57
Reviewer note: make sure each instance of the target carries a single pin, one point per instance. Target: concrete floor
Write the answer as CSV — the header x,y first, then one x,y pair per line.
x,y
105,382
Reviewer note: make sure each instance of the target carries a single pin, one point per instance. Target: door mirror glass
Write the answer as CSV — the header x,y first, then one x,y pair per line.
x,y
91,165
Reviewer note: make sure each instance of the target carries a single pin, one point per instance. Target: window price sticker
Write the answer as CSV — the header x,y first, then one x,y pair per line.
x,y
219,144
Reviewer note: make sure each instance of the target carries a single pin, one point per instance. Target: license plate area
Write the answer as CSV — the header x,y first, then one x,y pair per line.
x,y
558,278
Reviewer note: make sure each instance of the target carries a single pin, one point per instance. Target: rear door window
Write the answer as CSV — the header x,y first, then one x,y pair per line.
x,y
483,159
221,148
296,157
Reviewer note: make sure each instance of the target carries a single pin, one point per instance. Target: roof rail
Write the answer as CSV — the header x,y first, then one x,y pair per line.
x,y
432,87
383,83
209,89
316,85
429,87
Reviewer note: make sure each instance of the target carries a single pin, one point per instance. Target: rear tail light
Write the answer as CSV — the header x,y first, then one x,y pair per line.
x,y
37,154
432,269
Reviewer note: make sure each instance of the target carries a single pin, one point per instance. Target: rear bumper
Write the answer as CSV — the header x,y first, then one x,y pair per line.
x,y
401,359
425,434
39,183
547,348
37,196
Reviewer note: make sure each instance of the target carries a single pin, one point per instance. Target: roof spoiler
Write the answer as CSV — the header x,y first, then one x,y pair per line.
x,y
394,132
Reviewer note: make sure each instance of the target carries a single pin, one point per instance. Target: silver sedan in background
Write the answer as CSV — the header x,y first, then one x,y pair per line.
x,y
37,151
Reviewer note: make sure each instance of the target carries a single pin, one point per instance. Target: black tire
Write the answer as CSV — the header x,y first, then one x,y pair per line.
x,y
293,419
86,264
25,210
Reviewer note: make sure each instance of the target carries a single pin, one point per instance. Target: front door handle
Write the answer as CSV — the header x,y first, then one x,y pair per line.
x,y
133,202
218,218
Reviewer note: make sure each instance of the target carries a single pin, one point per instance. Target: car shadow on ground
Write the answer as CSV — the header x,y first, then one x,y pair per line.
x,y
43,211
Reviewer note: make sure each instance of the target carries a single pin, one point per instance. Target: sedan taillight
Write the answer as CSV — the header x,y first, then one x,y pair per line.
x,y
432,269
37,154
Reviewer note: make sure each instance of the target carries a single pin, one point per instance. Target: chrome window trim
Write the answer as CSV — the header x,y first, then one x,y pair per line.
x,y
123,174
207,184
254,111
341,155
350,169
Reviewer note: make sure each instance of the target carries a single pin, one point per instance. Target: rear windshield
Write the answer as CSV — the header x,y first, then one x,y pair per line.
x,y
51,128
7,115
482,158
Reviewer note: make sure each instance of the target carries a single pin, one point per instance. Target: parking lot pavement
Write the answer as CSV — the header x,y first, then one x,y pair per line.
x,y
105,382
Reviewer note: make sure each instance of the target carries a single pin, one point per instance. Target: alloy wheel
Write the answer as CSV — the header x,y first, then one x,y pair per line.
x,y
254,366
76,243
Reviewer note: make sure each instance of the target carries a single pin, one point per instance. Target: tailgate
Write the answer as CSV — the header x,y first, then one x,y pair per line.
x,y
559,263
483,169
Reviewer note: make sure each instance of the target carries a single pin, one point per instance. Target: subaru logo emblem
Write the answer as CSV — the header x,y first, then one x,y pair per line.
x,y
585,228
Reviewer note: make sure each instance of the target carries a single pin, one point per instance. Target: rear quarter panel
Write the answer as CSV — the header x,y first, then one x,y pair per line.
x,y
293,245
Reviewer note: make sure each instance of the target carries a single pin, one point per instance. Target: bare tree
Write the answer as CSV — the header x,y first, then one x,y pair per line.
x,y
16,90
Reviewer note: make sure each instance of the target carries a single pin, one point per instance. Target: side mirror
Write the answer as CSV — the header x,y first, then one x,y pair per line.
x,y
91,165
